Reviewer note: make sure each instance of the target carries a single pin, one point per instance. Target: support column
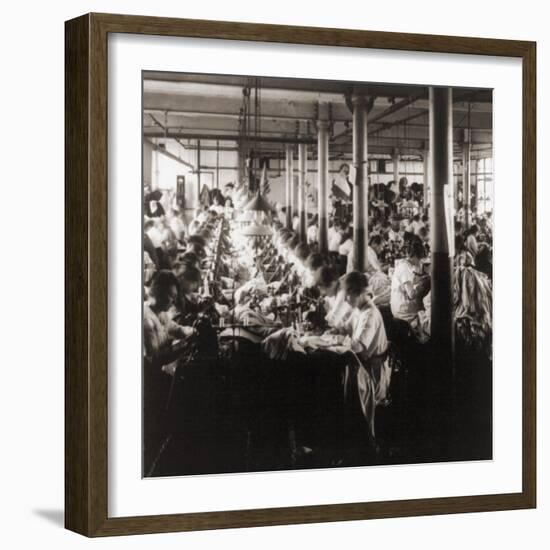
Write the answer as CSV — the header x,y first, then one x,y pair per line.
x,y
293,190
475,170
239,165
361,184
306,190
427,179
155,176
395,161
217,164
322,183
485,185
198,171
441,160
302,161
288,186
466,183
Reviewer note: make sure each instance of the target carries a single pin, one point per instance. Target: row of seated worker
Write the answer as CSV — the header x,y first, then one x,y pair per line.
x,y
179,280
179,288
399,266
398,260
398,273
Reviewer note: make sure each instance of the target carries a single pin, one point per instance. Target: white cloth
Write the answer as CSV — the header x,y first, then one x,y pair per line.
x,y
410,207
158,330
308,280
372,258
394,236
177,226
415,227
369,341
471,245
312,234
358,381
149,267
380,288
158,333
346,249
338,309
334,239
155,235
403,307
366,327
299,268
341,182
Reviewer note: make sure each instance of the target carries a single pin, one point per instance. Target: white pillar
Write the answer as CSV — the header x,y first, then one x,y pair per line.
x,y
288,187
466,183
395,160
155,178
302,162
426,179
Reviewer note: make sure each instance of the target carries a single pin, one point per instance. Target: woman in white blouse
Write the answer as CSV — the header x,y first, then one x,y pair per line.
x,y
159,330
471,243
369,377
365,326
160,361
328,283
409,284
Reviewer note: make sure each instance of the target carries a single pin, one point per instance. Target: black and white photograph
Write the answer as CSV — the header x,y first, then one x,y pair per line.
x,y
317,274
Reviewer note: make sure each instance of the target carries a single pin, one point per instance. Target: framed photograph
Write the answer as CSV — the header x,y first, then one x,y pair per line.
x,y
300,275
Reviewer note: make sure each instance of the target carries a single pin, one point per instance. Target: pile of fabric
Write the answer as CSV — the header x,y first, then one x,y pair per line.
x,y
279,344
473,306
380,288
253,288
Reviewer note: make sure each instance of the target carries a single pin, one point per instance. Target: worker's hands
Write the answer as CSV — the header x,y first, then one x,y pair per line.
x,y
187,331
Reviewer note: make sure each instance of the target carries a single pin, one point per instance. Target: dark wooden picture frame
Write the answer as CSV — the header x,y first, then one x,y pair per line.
x,y
86,265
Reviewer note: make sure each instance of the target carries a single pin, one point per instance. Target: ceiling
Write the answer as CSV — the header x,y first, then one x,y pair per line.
x,y
192,107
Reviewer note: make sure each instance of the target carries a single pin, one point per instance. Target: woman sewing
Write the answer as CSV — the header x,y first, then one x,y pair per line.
x,y
159,330
160,333
365,329
367,374
409,283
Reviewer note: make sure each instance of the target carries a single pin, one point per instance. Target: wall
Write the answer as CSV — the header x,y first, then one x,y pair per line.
x,y
31,393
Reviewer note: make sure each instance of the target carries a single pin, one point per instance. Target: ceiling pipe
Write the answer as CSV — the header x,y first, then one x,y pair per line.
x,y
196,113
227,137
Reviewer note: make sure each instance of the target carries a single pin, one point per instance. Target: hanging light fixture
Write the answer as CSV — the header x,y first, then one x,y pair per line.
x,y
258,204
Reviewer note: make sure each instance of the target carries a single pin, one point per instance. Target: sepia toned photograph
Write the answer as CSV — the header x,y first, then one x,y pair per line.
x,y
317,274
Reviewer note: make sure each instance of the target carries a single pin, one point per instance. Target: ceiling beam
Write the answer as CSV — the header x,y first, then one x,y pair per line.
x,y
169,155
396,107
